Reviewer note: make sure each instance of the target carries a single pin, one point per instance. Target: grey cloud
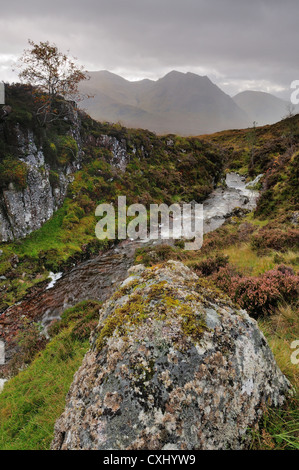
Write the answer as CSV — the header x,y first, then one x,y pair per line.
x,y
235,40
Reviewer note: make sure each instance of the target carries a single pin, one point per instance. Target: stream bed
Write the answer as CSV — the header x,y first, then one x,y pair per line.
x,y
99,277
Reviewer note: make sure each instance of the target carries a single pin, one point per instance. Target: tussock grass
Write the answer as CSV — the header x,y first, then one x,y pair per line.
x,y
281,330
33,400
248,261
279,429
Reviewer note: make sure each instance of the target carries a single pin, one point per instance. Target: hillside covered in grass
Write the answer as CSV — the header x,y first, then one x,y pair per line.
x,y
253,258
156,169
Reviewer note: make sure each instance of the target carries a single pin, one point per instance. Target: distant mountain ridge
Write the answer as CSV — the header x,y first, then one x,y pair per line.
x,y
262,107
178,103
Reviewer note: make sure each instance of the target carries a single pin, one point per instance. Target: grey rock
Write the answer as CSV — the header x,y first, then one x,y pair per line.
x,y
22,212
295,218
119,151
212,318
172,365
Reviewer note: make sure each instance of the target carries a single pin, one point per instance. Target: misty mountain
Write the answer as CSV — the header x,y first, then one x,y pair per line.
x,y
180,103
261,107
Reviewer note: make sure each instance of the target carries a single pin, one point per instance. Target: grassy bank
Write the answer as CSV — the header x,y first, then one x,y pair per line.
x,y
33,400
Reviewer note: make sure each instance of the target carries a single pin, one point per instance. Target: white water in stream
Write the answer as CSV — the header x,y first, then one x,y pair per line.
x,y
221,202
99,277
219,205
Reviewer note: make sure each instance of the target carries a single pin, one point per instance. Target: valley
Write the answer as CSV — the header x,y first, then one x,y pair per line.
x,y
248,182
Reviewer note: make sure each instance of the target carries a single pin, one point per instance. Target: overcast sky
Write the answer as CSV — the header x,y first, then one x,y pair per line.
x,y
239,44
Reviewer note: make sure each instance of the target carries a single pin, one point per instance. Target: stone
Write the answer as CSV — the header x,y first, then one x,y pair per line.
x,y
118,148
172,365
5,111
139,268
23,211
295,218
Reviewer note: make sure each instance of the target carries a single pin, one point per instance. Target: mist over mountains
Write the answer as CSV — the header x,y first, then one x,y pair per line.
x,y
263,108
178,103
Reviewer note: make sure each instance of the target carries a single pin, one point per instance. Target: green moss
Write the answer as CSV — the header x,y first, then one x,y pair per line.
x,y
171,302
132,313
67,149
134,284
193,325
13,170
158,291
160,303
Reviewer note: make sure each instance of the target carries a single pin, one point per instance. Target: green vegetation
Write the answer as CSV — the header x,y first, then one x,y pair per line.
x,y
33,400
140,307
157,172
254,258
279,429
13,171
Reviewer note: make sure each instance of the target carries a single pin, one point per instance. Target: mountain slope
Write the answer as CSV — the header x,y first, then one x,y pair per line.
x,y
185,104
72,166
253,258
261,107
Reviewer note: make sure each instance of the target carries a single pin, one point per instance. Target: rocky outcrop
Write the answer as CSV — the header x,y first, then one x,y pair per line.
x,y
117,148
173,365
24,210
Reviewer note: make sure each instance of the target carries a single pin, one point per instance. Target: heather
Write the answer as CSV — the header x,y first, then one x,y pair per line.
x,y
276,239
259,295
253,258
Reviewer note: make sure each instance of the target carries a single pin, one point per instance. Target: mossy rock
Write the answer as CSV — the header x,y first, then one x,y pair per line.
x,y
170,369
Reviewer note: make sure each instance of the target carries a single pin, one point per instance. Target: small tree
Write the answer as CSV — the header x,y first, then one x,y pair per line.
x,y
53,76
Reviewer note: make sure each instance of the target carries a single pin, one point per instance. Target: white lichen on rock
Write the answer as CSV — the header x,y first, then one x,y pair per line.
x,y
173,364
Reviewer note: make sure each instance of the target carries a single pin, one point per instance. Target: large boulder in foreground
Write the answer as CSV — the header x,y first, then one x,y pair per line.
x,y
173,365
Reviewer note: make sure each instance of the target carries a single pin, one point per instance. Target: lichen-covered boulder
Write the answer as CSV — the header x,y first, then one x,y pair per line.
x,y
173,365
